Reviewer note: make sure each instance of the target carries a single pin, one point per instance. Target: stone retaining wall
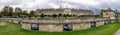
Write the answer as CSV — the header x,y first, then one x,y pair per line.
x,y
56,25
2,23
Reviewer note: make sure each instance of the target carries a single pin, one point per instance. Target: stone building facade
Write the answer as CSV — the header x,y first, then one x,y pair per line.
x,y
63,11
109,13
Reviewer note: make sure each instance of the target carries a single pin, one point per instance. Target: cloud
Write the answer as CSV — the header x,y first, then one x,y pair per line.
x,y
94,5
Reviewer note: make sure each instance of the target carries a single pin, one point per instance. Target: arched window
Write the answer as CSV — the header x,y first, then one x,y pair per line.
x,y
35,26
93,24
67,27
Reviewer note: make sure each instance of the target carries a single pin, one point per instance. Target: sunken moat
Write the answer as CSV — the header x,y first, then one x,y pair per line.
x,y
65,24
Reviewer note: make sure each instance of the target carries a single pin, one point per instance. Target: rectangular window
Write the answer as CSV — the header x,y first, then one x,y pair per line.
x,y
106,22
20,22
106,13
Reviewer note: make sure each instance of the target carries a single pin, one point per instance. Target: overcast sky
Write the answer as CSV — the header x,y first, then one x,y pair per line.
x,y
94,5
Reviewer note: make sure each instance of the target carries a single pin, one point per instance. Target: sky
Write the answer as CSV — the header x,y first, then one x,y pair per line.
x,y
94,5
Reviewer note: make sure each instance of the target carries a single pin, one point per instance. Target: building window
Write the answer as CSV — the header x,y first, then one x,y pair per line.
x,y
20,22
93,24
67,27
106,13
105,22
35,26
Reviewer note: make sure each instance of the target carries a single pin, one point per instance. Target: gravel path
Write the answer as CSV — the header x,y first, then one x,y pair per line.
x,y
117,33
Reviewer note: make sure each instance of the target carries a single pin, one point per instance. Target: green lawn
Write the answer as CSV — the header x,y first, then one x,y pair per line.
x,y
15,29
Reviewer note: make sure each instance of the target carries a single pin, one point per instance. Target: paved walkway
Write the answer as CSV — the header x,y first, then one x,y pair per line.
x,y
117,33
